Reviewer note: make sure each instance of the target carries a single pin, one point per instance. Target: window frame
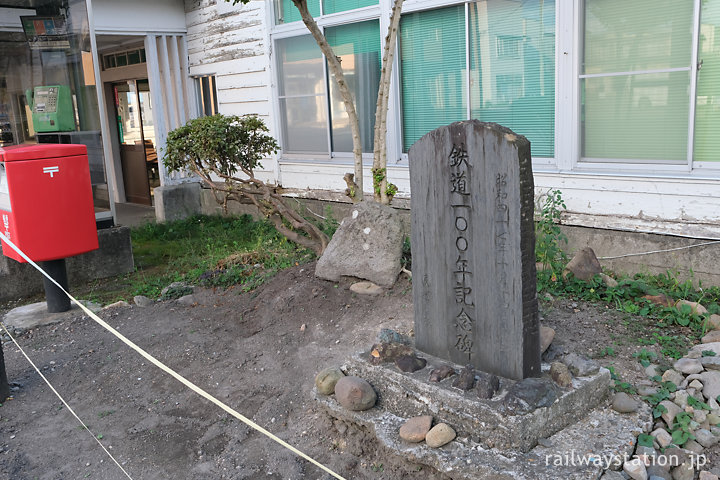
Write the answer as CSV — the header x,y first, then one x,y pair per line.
x,y
569,35
381,12
412,6
620,167
296,29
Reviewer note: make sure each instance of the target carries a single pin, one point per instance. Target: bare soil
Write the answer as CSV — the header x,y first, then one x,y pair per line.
x,y
258,352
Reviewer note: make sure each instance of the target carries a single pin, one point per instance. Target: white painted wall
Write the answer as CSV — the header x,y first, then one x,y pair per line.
x,y
138,16
232,43
683,207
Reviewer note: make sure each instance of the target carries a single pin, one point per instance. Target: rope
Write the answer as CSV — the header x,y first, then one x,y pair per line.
x,y
660,251
171,372
64,402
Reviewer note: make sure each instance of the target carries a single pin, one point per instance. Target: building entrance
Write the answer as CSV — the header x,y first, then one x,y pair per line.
x,y
136,135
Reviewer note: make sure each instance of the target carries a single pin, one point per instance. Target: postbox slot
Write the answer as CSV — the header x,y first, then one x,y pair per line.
x,y
4,190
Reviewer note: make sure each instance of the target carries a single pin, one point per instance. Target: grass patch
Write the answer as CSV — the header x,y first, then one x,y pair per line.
x,y
212,251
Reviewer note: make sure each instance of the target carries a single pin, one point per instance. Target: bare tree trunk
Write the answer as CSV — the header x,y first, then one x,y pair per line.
x,y
380,144
336,69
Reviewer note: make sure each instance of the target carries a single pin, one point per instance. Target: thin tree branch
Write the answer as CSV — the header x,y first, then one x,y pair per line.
x,y
381,109
336,69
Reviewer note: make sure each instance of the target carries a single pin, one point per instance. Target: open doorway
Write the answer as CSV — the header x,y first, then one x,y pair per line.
x,y
136,136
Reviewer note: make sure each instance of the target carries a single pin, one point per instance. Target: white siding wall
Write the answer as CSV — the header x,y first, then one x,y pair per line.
x,y
231,42
138,16
684,207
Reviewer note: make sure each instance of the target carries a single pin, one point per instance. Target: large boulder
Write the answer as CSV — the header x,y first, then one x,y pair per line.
x,y
367,245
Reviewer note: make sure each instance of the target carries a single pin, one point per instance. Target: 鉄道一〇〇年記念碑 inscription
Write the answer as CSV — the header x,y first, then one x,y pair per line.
x,y
473,244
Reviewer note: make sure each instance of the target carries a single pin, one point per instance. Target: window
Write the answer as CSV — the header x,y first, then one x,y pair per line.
x,y
285,11
206,92
123,59
635,80
358,46
707,108
646,75
508,46
515,85
434,88
302,95
335,6
309,116
493,60
511,74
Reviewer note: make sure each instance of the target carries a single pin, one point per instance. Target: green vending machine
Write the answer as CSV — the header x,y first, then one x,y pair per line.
x,y
52,109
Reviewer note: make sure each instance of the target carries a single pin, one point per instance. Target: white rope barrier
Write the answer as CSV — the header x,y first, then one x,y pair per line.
x,y
64,402
170,371
686,247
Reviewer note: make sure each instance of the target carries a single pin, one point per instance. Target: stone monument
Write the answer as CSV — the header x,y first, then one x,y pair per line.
x,y
473,245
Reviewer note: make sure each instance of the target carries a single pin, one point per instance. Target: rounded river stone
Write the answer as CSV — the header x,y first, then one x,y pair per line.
x,y
325,380
441,434
355,394
415,429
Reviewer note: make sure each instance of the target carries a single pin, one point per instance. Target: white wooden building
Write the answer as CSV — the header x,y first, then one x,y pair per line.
x,y
621,100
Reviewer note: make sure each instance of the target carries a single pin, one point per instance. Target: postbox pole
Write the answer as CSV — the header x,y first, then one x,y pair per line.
x,y
57,301
4,386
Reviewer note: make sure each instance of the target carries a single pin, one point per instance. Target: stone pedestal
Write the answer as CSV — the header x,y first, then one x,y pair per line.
x,y
177,202
577,436
486,422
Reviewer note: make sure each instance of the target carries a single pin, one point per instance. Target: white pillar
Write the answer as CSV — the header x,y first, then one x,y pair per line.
x,y
178,99
168,83
110,175
159,106
191,103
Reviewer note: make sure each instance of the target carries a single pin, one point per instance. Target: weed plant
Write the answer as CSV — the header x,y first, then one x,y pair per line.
x,y
549,238
630,294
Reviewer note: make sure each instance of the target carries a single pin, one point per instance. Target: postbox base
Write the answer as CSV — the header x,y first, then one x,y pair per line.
x,y
57,301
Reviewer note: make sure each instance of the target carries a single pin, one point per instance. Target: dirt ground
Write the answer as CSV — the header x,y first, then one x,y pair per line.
x,y
258,352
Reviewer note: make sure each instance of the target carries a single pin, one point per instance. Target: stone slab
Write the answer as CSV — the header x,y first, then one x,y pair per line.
x,y
473,243
36,315
582,451
485,422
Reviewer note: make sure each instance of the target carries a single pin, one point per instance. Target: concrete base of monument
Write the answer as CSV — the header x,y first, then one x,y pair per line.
x,y
577,436
36,315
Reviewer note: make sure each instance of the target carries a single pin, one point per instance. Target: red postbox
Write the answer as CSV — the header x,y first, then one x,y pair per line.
x,y
46,204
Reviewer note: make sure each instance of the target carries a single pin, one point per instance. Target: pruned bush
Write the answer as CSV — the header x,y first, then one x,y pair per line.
x,y
224,152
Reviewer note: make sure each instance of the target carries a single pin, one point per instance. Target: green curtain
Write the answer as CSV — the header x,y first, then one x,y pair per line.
x,y
335,6
707,107
512,68
286,12
629,113
358,46
433,71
